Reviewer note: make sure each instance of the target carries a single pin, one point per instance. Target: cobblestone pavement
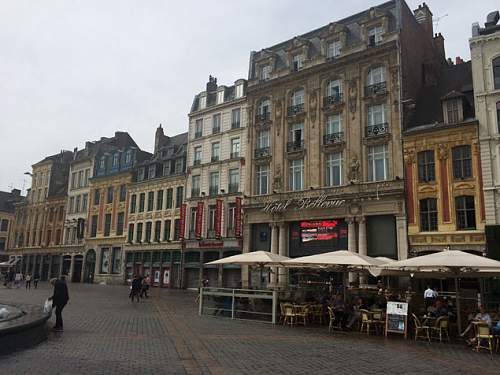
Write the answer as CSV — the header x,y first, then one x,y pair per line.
x,y
106,334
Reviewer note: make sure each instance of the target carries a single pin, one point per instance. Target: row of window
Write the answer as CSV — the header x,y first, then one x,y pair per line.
x,y
333,49
217,123
4,225
230,221
168,168
378,170
138,202
110,194
40,179
214,183
78,204
113,163
464,208
80,179
215,151
106,230
239,91
461,161
143,232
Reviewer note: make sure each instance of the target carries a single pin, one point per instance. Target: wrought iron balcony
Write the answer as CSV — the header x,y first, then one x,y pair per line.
x,y
376,89
378,129
295,146
262,117
216,130
197,162
213,191
235,125
333,138
213,159
262,152
235,155
198,135
294,110
195,192
333,100
233,188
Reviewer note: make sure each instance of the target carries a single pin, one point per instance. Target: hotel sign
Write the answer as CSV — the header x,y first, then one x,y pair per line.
x,y
302,204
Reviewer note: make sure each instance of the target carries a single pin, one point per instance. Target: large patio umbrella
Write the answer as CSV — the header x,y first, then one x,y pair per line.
x,y
336,259
259,259
447,263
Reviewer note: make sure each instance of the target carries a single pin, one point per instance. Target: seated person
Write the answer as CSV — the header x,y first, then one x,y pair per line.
x,y
339,308
481,316
439,310
355,315
496,329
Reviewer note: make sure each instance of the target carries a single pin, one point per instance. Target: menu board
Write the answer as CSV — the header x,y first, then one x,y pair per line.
x,y
323,230
397,318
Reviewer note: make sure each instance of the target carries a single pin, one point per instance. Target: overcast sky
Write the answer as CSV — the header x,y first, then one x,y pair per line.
x,y
72,71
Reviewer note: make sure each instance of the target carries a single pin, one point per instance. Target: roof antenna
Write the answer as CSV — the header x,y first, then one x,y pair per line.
x,y
436,20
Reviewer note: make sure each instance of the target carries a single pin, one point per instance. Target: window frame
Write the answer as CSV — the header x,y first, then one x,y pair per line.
x,y
333,169
428,210
426,166
465,214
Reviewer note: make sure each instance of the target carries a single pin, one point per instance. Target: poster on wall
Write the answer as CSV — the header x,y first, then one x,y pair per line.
x,y
105,260
166,277
237,217
156,279
218,218
199,220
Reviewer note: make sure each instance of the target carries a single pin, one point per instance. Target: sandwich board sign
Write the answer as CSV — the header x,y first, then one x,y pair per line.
x,y
396,318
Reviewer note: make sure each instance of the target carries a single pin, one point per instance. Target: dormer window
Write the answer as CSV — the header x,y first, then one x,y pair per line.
x,y
116,158
102,163
128,157
152,171
203,102
264,72
297,62
333,49
375,36
452,108
140,174
220,97
239,91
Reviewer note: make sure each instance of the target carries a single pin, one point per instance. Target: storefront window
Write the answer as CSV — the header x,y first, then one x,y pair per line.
x,y
117,260
104,260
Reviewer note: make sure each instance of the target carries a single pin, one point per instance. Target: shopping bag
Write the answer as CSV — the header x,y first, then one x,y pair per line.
x,y
47,307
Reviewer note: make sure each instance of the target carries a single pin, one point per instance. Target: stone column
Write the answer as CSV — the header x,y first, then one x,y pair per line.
x,y
49,272
245,282
362,245
402,237
283,251
274,250
201,268
351,243
71,265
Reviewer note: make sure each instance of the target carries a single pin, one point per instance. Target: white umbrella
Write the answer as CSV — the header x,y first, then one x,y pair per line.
x,y
254,258
342,259
451,263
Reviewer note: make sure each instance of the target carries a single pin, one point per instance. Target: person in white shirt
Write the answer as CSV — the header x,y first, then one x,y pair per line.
x,y
429,296
481,316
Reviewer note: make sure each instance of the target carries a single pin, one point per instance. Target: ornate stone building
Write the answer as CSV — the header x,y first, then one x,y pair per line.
x,y
105,234
40,226
485,55
324,162
216,174
156,195
445,204
8,200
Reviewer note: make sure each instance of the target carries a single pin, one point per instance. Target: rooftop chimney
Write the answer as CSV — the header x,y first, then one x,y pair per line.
x,y
423,15
158,136
458,60
15,192
211,84
439,46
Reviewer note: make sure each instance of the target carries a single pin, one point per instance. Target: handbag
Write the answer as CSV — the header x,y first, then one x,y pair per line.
x,y
47,307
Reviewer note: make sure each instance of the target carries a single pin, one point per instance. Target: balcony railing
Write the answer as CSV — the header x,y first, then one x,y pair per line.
x,y
235,125
198,135
216,130
235,155
376,89
262,117
332,100
234,188
213,191
213,159
262,152
333,138
197,162
295,109
378,129
195,192
295,146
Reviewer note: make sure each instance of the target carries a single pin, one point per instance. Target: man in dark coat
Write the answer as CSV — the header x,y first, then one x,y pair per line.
x,y
59,300
136,286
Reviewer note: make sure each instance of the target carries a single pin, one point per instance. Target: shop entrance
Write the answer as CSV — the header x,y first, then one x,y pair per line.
x,y
90,258
77,269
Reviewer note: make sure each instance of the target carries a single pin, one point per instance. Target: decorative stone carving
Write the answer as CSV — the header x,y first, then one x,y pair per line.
x,y
353,97
354,209
409,156
313,104
354,166
442,151
277,182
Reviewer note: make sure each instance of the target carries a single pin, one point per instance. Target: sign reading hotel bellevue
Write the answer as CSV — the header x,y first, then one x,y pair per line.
x,y
302,204
199,220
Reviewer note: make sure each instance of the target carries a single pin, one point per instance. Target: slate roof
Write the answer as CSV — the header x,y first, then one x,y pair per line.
x,y
7,201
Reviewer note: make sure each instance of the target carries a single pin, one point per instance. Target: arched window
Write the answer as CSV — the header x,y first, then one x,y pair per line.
x,y
496,72
376,75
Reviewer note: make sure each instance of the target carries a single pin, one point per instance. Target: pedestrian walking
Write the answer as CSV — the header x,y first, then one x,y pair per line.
x,y
135,288
36,279
28,281
18,279
59,299
145,286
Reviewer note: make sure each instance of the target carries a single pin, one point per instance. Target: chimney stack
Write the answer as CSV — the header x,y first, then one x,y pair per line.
x,y
423,15
458,60
158,136
211,84
438,42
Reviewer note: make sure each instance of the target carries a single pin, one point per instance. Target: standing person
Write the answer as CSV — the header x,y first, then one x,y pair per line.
x,y
35,280
135,288
59,300
145,286
28,281
429,296
18,280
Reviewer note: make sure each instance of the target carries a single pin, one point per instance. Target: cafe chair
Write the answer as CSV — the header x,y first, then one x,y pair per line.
x,y
378,320
316,313
483,336
301,312
288,314
419,327
334,324
366,321
282,312
441,326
